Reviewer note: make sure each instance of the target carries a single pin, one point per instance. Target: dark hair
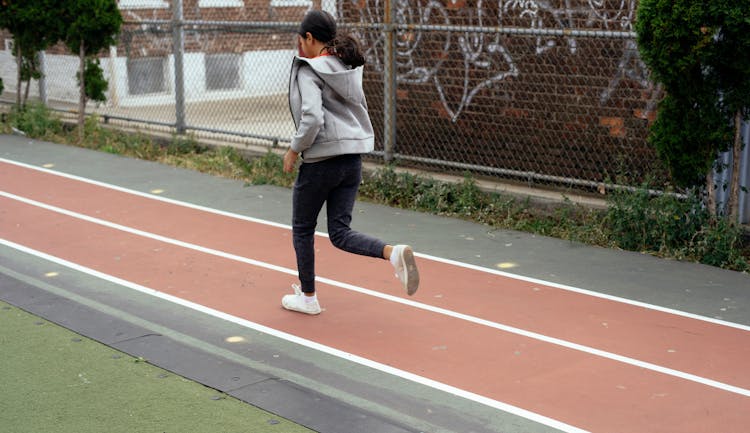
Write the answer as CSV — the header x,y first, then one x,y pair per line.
x,y
322,26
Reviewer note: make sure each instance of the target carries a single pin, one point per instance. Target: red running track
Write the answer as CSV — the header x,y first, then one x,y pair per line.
x,y
590,362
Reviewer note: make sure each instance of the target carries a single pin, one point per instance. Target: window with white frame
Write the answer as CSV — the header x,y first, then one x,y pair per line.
x,y
147,75
326,5
143,4
221,3
223,71
290,3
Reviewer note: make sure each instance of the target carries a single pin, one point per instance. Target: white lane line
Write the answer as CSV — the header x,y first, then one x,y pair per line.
x,y
304,342
148,195
391,298
580,291
421,255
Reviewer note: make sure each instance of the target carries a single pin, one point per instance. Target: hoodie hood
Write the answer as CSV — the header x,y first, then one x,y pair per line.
x,y
346,82
329,109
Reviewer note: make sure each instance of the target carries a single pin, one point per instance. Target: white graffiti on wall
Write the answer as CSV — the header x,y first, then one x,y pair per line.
x,y
480,52
631,65
487,55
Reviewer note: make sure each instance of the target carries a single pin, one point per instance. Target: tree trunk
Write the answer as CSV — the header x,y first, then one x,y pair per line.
x,y
18,81
711,191
82,98
733,204
26,93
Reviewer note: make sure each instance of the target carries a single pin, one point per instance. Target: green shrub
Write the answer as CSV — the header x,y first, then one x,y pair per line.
x,y
671,226
639,221
96,136
387,186
95,83
184,146
36,120
719,243
267,169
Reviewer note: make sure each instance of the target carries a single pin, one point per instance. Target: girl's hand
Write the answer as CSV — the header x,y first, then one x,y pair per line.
x,y
290,159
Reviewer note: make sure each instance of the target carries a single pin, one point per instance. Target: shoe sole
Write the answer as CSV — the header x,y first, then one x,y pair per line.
x,y
298,310
311,313
412,274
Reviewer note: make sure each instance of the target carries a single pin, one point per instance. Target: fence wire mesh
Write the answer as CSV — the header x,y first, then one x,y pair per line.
x,y
517,89
549,92
235,79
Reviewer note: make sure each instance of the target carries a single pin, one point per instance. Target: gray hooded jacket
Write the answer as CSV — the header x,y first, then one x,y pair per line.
x,y
329,109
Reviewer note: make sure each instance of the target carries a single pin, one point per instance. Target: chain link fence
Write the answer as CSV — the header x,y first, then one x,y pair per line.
x,y
233,76
540,92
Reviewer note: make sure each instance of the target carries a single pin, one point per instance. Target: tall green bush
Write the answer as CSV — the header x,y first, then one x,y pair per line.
x,y
95,83
92,26
35,25
698,51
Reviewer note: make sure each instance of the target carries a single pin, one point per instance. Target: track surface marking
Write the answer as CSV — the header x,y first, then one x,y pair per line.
x,y
578,388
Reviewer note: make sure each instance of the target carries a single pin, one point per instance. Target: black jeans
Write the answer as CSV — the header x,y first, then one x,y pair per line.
x,y
333,181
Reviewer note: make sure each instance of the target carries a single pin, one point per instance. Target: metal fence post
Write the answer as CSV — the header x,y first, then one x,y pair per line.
x,y
745,176
114,99
42,58
389,83
179,70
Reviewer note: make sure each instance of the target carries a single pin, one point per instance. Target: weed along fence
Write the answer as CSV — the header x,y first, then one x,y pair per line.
x,y
543,93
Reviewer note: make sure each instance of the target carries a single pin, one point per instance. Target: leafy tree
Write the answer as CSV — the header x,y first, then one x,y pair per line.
x,y
695,49
35,25
92,26
730,66
95,83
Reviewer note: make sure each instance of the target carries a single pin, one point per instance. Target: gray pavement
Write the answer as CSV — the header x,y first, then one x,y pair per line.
x,y
284,378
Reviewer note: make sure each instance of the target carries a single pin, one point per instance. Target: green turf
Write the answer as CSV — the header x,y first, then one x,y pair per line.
x,y
53,380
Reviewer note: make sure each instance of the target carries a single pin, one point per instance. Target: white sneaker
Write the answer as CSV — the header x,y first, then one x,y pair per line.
x,y
297,302
406,268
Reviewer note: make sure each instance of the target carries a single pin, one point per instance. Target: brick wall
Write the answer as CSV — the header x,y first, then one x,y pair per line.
x,y
575,106
138,41
570,106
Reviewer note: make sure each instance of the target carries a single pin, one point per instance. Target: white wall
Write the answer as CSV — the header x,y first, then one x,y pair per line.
x,y
8,71
262,73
